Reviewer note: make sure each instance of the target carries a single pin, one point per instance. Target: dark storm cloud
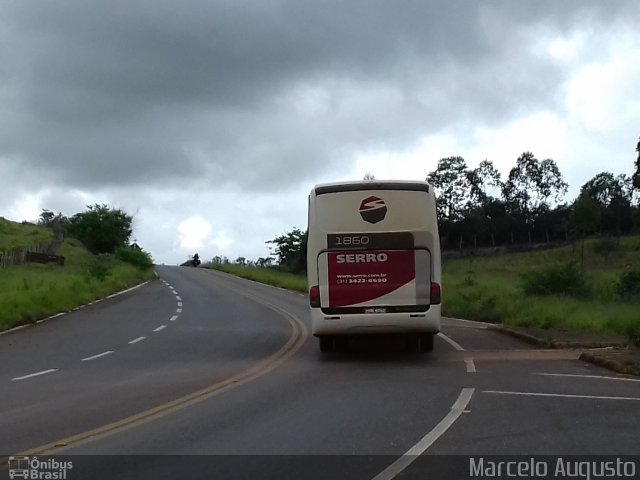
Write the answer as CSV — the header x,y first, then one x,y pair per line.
x,y
261,93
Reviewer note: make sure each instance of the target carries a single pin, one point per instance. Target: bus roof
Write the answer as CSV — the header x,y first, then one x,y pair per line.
x,y
351,186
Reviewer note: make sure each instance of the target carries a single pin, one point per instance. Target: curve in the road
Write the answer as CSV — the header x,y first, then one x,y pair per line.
x,y
297,338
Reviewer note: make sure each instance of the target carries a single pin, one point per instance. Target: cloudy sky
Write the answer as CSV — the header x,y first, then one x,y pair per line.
x,y
209,121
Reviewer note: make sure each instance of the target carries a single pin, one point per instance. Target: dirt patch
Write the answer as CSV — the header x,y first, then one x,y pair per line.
x,y
614,352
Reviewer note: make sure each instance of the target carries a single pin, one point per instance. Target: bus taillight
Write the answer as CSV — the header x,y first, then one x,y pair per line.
x,y
314,296
435,293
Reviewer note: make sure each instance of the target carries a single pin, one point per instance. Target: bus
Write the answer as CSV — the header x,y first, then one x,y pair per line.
x,y
373,262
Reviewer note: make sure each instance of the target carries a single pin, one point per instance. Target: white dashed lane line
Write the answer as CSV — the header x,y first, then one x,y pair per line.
x,y
109,352
471,367
99,355
37,374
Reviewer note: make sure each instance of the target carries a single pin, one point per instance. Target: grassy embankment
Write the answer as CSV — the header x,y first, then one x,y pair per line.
x,y
492,289
31,292
17,235
264,275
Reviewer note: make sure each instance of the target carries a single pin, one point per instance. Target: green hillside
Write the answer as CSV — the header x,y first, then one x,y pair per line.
x,y
22,235
34,291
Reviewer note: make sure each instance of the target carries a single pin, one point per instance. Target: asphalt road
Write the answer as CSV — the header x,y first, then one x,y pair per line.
x,y
200,373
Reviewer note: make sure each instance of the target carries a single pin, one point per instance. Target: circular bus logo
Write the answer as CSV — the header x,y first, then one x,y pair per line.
x,y
373,209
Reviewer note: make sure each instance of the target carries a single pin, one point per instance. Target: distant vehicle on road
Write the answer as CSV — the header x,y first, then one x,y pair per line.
x,y
192,262
373,262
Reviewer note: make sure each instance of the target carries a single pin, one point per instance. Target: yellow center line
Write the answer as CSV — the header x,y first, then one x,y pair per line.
x,y
299,334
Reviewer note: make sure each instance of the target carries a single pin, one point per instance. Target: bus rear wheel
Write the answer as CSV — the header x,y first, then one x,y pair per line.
x,y
326,343
426,342
421,342
334,343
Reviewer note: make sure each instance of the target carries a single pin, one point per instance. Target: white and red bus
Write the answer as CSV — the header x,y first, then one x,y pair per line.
x,y
373,262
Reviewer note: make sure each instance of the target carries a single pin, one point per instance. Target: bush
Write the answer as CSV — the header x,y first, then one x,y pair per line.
x,y
633,333
135,256
99,267
628,284
605,246
101,229
564,279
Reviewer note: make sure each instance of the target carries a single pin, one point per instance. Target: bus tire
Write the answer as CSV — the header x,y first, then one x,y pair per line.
x,y
341,343
412,343
326,343
426,342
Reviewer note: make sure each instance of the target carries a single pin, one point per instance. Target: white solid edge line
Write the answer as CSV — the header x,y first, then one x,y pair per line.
x,y
93,357
126,291
161,327
174,318
472,322
43,372
136,340
419,448
451,342
561,395
599,377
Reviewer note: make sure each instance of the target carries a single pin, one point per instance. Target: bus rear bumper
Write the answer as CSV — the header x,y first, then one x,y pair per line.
x,y
382,323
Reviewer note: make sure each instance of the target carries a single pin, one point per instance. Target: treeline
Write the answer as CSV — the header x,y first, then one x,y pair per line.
x,y
290,252
477,209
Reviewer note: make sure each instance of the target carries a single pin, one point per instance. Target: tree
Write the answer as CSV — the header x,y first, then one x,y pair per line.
x,y
369,177
58,223
532,184
585,219
603,188
101,229
480,179
451,183
46,217
531,187
291,249
612,198
264,262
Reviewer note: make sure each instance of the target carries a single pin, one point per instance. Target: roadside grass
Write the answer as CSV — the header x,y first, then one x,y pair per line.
x,y
33,292
269,276
490,289
18,235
